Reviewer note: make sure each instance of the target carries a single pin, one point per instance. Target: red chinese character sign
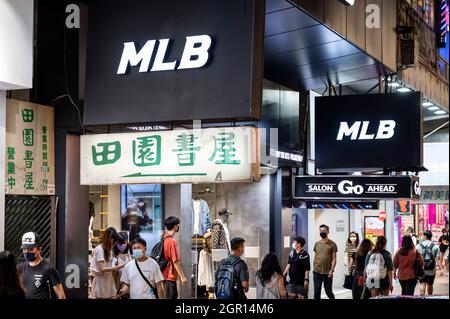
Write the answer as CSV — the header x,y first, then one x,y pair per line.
x,y
29,149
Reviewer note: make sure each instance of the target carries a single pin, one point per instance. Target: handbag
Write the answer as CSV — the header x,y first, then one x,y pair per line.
x,y
420,273
155,291
348,282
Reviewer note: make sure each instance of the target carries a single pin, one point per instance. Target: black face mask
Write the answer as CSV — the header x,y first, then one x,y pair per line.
x,y
323,235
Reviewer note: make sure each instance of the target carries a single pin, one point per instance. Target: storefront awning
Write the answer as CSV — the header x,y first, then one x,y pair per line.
x,y
302,53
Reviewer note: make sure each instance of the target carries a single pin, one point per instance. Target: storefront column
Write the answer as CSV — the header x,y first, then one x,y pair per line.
x,y
178,203
389,207
74,244
113,207
275,213
2,167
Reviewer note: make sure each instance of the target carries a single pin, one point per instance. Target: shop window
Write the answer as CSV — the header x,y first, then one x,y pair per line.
x,y
425,9
141,212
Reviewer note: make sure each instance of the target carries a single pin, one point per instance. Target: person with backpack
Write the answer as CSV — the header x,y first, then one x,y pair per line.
x,y
269,279
379,267
39,278
232,277
408,265
142,277
430,254
170,265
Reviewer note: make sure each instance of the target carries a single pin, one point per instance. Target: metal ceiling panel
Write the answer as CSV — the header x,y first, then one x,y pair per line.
x,y
302,53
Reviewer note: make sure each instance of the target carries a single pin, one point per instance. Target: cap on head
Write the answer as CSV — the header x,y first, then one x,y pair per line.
x,y
224,212
30,240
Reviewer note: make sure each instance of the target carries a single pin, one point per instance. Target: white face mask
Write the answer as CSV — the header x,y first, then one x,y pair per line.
x,y
294,246
352,239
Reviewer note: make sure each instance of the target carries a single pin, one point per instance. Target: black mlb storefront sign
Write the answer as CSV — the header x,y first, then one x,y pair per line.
x,y
171,60
371,131
356,187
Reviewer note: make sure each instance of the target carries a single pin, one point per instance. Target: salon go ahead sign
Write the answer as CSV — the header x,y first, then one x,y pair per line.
x,y
178,156
29,149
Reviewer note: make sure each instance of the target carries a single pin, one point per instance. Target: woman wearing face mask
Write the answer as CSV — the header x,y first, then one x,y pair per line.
x,y
351,247
121,256
103,286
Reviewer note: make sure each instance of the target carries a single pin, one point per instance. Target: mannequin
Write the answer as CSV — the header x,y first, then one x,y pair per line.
x,y
205,264
220,233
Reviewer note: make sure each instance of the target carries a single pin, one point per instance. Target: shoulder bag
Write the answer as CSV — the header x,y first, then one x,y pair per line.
x,y
155,291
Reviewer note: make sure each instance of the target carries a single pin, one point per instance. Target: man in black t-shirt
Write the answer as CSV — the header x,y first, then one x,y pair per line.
x,y
443,246
297,270
40,279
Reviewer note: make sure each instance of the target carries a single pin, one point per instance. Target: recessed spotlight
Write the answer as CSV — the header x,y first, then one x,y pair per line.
x,y
427,103
403,90
394,84
433,108
440,112
348,2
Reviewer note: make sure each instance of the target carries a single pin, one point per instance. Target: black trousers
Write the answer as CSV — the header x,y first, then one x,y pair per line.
x,y
170,289
328,285
408,286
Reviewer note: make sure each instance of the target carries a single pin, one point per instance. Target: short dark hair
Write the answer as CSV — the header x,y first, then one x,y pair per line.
x,y
428,234
171,222
139,240
325,226
300,240
236,243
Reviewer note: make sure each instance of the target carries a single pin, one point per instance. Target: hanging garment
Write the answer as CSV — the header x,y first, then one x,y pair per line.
x,y
221,235
201,220
205,269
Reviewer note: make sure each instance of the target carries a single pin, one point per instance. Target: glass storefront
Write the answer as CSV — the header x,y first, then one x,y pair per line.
x,y
141,212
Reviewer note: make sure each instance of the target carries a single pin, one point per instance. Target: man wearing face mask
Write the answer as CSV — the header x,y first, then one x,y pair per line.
x,y
297,270
142,277
173,270
324,264
40,279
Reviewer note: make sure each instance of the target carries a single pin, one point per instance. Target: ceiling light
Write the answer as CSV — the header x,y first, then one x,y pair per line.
x,y
403,90
433,108
427,103
348,2
440,112
394,84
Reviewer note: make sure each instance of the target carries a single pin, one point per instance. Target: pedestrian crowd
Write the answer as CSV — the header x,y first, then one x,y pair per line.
x,y
124,270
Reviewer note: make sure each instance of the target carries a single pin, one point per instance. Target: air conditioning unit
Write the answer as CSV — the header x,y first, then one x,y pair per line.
x,y
408,53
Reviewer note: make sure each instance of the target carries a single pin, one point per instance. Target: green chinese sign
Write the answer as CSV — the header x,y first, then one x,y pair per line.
x,y
179,156
29,149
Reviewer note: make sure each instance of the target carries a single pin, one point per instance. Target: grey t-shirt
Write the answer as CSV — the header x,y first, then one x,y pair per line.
x,y
240,273
435,251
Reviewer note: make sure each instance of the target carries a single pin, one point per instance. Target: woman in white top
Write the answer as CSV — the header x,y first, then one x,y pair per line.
x,y
121,256
269,279
103,286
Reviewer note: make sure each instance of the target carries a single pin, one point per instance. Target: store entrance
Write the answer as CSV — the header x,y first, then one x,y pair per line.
x,y
210,214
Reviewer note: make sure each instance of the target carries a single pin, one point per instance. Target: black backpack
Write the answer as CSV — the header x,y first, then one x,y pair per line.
x,y
158,255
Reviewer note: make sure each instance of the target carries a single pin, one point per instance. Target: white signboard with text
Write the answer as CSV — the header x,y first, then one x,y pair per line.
x,y
30,159
168,157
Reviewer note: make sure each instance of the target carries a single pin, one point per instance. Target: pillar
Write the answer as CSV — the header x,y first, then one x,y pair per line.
x,y
178,203
2,167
